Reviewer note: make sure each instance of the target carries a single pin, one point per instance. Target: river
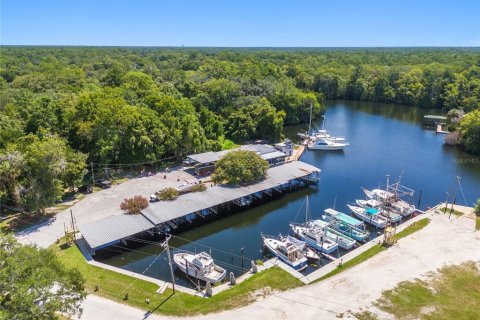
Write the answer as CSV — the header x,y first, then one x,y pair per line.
x,y
385,139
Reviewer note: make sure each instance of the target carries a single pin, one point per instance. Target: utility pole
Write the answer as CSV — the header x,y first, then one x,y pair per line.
x,y
73,225
165,245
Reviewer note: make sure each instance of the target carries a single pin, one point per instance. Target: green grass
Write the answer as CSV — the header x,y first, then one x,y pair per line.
x,y
114,285
376,249
455,212
451,293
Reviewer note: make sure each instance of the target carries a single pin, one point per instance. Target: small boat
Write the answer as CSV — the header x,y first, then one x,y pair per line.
x,y
286,251
349,230
307,252
315,237
343,241
327,144
333,214
200,266
378,205
369,215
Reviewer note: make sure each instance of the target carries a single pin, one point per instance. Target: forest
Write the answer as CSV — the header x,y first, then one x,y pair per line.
x,y
62,108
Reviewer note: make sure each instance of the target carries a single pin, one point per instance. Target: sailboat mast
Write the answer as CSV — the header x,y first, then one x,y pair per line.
x,y
310,123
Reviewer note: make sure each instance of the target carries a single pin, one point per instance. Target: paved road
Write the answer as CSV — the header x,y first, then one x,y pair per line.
x,y
442,242
99,205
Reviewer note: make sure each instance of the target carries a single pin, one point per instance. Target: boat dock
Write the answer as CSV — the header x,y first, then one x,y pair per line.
x,y
193,209
297,153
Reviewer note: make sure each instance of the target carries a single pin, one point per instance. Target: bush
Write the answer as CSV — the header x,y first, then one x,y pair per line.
x,y
134,205
240,166
198,188
167,194
477,207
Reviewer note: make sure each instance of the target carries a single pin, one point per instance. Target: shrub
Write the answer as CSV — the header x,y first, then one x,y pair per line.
x,y
167,194
477,207
198,188
240,166
134,205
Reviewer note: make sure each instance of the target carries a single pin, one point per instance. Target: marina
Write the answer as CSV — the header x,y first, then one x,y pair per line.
x,y
343,174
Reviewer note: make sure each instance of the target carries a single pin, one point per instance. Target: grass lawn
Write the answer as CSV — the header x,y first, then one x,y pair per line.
x,y
451,293
114,285
376,249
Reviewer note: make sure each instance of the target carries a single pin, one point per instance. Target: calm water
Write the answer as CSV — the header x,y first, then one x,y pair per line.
x,y
385,139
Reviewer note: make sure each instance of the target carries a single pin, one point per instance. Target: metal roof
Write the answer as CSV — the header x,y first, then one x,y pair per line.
x,y
163,211
113,228
207,157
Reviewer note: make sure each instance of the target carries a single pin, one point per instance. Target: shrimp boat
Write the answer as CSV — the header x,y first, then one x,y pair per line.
x,y
375,204
344,242
285,250
315,237
369,215
200,266
333,214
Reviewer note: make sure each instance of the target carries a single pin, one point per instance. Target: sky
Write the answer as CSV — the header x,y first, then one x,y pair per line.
x,y
241,23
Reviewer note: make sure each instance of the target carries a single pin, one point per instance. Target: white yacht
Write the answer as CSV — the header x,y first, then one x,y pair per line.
x,y
285,250
326,144
369,215
344,242
200,266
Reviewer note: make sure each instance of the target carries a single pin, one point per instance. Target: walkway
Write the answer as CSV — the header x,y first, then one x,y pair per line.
x,y
353,289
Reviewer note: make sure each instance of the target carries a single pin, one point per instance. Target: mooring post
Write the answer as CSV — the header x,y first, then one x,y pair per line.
x,y
242,256
233,281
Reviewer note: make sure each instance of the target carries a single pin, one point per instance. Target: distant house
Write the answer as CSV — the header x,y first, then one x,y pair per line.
x,y
204,163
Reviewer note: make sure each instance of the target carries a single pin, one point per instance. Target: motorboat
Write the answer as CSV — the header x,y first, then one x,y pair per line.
x,y
385,211
349,230
313,134
285,250
344,242
200,266
391,201
332,214
307,252
315,237
369,215
327,144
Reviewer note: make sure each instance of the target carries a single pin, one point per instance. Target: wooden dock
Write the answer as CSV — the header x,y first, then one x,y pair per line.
x,y
297,153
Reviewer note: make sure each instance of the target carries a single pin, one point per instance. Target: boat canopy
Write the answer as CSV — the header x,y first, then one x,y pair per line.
x,y
372,211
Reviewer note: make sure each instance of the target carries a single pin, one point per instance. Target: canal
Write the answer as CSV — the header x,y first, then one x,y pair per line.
x,y
385,139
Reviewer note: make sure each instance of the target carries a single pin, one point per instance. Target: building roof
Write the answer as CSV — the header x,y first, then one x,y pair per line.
x,y
163,211
113,228
207,157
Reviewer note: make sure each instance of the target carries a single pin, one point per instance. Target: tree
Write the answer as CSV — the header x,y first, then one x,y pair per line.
x,y
470,131
477,207
168,194
240,166
134,205
35,285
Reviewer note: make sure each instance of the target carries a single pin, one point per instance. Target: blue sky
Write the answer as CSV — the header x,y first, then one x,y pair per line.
x,y
281,23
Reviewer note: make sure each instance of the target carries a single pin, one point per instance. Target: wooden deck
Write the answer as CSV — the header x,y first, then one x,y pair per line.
x,y
296,154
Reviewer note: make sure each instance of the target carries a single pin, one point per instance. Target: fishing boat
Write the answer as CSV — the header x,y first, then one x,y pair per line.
x,y
332,214
385,211
344,242
315,237
326,144
307,252
390,200
369,215
286,251
349,230
200,266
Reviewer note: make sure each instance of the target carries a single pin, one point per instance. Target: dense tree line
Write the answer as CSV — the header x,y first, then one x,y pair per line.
x,y
65,107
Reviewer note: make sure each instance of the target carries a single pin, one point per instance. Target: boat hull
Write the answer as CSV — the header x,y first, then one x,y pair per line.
x,y
214,276
270,246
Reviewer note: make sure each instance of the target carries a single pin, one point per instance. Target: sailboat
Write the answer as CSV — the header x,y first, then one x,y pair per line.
x,y
312,135
314,235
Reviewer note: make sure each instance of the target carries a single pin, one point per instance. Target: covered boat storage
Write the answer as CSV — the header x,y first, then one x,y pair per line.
x,y
167,216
